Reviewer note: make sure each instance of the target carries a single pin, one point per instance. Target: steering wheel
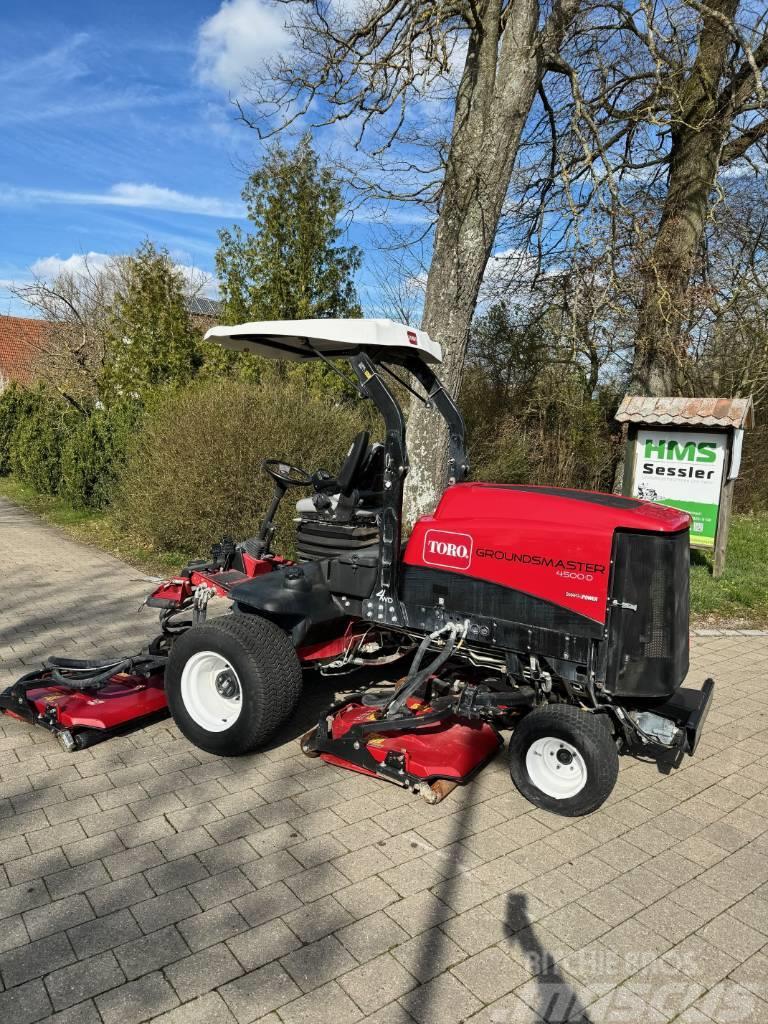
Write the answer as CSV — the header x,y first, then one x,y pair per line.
x,y
283,473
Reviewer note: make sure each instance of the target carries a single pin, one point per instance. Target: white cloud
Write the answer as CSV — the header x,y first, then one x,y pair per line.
x,y
152,196
124,194
199,282
752,168
61,62
49,267
350,8
511,274
236,39
64,84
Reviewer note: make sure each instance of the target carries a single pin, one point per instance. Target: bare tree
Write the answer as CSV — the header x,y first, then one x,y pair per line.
x,y
658,107
710,127
399,273
439,93
728,301
75,306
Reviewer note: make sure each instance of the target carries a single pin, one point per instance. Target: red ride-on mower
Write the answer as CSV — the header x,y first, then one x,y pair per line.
x,y
559,614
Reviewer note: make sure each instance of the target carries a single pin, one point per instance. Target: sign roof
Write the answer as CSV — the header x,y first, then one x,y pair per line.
x,y
708,412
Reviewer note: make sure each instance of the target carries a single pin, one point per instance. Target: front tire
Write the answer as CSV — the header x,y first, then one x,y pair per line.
x,y
231,683
563,759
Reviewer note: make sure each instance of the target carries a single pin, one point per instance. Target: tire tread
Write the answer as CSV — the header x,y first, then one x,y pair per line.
x,y
594,730
263,640
279,680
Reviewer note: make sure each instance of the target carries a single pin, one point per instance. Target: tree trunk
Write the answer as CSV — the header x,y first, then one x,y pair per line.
x,y
700,128
501,75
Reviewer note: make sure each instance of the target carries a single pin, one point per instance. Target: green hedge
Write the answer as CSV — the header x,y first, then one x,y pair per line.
x,y
14,406
194,473
57,449
41,430
94,455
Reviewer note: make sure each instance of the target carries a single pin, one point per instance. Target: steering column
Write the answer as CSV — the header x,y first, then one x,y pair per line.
x,y
284,476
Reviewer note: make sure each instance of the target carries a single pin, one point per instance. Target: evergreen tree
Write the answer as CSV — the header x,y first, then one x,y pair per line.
x,y
292,267
150,340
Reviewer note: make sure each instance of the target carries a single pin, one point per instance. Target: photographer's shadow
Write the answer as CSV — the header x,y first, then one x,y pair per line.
x,y
557,1002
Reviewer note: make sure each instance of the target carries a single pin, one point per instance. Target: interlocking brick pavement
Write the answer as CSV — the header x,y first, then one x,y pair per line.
x,y
145,880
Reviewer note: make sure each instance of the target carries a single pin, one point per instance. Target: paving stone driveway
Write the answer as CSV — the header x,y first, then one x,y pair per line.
x,y
144,880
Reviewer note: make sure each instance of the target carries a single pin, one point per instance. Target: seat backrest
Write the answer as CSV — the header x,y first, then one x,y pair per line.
x,y
370,479
356,456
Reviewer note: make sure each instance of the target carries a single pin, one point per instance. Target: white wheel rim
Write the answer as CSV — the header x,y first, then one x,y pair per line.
x,y
211,691
556,768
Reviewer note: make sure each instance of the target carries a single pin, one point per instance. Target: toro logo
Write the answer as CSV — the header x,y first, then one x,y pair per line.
x,y
448,550
413,337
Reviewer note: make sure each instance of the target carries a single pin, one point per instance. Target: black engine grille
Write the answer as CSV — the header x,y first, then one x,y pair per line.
x,y
648,648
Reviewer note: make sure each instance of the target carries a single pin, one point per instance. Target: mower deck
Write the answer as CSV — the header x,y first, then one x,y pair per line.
x,y
80,716
430,746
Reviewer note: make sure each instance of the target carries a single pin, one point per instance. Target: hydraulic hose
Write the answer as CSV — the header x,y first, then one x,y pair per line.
x,y
417,677
81,674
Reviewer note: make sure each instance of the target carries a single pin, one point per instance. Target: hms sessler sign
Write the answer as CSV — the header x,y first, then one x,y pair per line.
x,y
683,469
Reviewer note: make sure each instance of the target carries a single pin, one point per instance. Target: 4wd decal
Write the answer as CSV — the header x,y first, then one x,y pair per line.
x,y
447,549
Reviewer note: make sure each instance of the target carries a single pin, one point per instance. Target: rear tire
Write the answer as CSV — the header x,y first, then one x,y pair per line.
x,y
231,683
563,759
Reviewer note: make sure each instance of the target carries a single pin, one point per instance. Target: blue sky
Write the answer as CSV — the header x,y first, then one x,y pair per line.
x,y
116,125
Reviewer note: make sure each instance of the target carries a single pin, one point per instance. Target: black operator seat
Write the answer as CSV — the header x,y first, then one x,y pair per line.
x,y
341,517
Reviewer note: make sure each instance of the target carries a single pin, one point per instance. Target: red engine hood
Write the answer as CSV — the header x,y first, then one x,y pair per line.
x,y
552,543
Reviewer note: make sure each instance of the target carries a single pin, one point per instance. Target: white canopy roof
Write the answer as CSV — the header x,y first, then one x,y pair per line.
x,y
302,339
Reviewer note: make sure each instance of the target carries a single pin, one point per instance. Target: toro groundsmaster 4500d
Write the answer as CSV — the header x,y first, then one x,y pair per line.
x,y
559,614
